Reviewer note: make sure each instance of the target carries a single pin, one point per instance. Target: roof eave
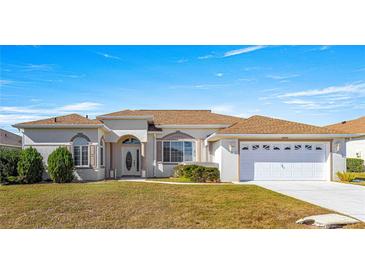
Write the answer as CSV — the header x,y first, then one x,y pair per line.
x,y
21,126
218,136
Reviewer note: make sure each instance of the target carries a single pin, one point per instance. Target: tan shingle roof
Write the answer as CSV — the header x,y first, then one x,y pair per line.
x,y
352,126
70,119
265,125
180,117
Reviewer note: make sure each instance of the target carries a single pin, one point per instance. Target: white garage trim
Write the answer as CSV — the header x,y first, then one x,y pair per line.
x,y
289,160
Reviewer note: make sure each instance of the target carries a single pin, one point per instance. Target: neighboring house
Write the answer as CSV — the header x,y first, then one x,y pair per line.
x,y
355,146
10,140
150,143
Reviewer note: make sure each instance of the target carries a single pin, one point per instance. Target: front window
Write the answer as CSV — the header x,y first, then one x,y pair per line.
x,y
178,151
81,152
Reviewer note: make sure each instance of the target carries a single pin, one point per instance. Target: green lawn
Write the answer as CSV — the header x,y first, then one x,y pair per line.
x,y
147,205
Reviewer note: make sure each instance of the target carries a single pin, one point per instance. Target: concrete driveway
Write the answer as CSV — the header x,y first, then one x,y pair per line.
x,y
343,198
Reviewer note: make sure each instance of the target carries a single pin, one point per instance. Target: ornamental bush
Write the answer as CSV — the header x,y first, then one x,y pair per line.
x,y
355,165
197,173
30,166
61,165
8,163
346,176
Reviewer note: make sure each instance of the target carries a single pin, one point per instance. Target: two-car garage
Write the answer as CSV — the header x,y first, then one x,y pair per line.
x,y
284,161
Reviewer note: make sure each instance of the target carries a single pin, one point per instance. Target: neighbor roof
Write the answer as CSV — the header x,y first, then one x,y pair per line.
x,y
180,117
70,119
266,125
352,126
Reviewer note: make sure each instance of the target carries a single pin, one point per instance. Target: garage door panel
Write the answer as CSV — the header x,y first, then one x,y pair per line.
x,y
289,161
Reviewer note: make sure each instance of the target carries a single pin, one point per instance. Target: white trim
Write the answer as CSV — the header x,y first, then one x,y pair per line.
x,y
193,144
7,145
81,158
59,126
49,144
218,136
184,126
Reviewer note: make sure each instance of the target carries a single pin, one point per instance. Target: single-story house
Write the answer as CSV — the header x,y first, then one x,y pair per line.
x,y
150,143
355,146
10,140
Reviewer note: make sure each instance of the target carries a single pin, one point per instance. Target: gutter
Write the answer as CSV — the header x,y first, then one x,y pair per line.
x,y
215,136
20,126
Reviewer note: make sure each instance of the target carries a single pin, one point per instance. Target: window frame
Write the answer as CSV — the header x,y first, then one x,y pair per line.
x,y
80,154
193,152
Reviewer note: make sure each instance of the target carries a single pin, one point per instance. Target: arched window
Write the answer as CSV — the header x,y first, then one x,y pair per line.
x,y
81,152
131,141
102,152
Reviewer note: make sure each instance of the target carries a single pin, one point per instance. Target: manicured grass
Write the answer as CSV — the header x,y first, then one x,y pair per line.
x,y
148,205
172,179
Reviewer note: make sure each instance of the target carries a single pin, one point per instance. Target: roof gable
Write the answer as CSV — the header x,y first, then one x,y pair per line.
x,y
266,125
351,126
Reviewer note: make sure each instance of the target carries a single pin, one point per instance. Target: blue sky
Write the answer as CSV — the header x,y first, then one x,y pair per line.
x,y
311,84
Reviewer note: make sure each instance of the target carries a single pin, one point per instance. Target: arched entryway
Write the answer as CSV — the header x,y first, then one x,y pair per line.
x,y
131,160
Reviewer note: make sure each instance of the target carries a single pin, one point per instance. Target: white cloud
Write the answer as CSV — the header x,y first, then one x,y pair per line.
x,y
208,56
80,106
37,67
75,76
9,119
282,77
219,74
243,50
181,61
4,82
15,114
350,88
324,48
232,110
108,56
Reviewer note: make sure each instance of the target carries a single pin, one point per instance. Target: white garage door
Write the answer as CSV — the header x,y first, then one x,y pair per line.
x,y
283,161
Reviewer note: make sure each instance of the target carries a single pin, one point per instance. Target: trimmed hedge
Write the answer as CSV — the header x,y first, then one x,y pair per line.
x,y
8,163
30,166
355,165
197,173
61,166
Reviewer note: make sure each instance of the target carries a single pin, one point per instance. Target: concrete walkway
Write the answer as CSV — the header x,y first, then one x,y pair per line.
x,y
343,198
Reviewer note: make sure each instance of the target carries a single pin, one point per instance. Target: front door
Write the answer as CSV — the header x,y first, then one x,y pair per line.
x,y
131,164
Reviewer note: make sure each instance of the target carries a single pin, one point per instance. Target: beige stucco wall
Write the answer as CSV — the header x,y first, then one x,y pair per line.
x,y
126,124
47,140
33,136
201,151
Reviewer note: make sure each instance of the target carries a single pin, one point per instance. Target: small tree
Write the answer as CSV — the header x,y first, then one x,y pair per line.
x,y
30,166
61,166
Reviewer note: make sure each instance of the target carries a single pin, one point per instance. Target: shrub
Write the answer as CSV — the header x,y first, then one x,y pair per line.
x,y
197,173
346,176
30,165
8,163
355,165
61,165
